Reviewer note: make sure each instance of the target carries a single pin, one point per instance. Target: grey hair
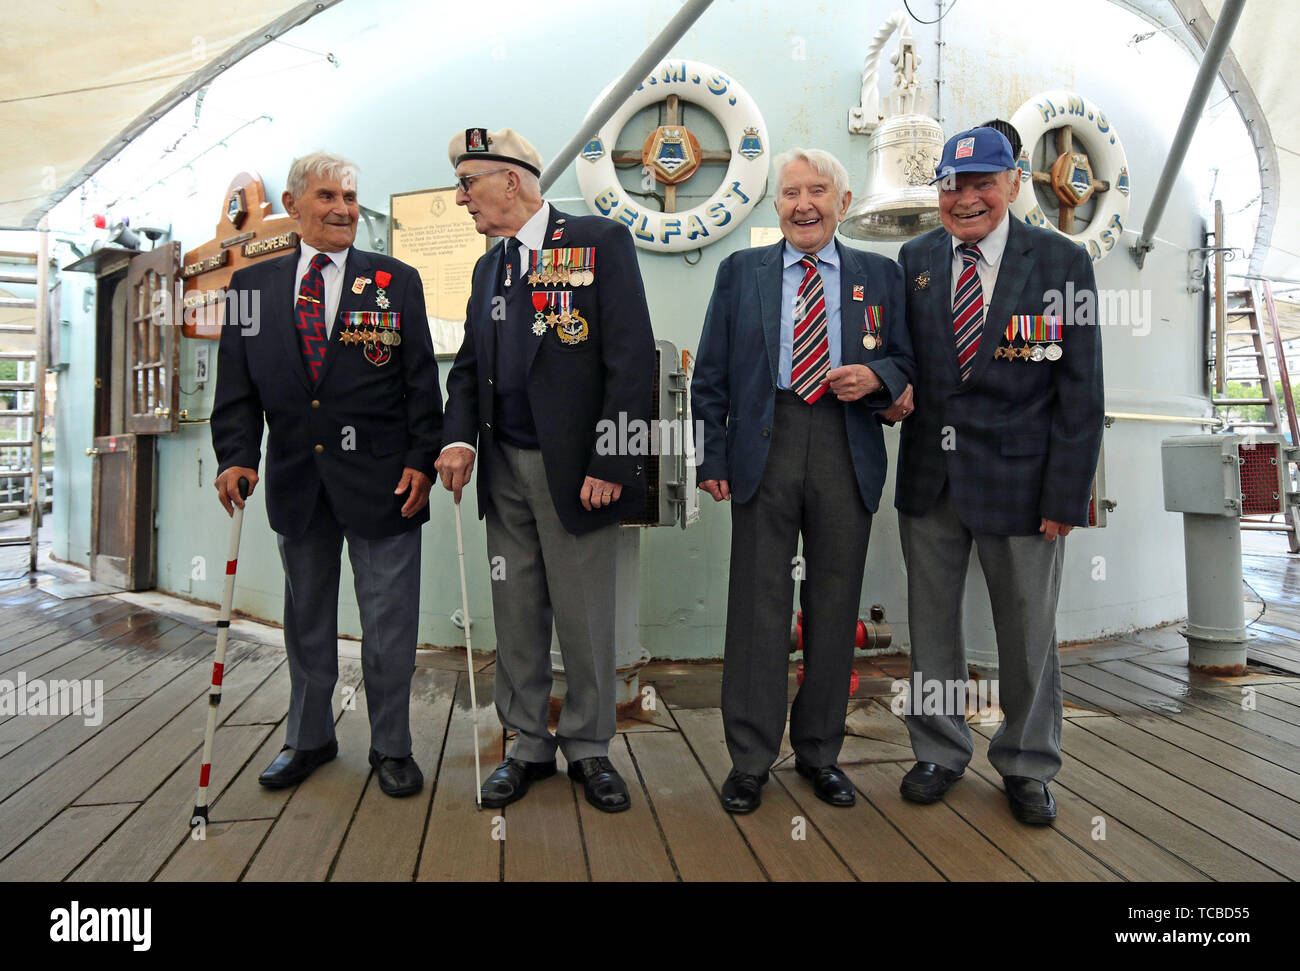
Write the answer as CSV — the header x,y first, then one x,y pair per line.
x,y
323,166
822,162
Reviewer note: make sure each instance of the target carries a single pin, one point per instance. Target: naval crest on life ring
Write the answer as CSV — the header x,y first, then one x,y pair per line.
x,y
1085,163
672,154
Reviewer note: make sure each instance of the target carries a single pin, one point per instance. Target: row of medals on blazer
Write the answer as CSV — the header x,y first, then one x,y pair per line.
x,y
573,266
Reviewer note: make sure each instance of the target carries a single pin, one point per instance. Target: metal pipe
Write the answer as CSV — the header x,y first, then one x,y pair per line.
x,y
1214,51
1220,295
1171,419
602,112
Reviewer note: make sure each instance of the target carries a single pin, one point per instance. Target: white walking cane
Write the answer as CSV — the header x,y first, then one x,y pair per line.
x,y
469,655
200,817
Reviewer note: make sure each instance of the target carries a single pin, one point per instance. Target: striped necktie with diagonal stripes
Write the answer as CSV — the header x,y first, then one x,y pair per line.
x,y
968,310
310,312
811,358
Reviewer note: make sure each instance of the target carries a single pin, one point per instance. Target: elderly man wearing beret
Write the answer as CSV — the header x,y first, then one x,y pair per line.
x,y
557,341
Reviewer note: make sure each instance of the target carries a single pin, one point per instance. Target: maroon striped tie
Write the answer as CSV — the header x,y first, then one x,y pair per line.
x,y
968,310
310,310
811,357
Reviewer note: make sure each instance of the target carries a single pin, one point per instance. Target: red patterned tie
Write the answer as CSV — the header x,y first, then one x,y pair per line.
x,y
311,316
968,310
811,358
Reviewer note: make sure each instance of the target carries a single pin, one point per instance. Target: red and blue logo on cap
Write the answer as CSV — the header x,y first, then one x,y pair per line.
x,y
965,147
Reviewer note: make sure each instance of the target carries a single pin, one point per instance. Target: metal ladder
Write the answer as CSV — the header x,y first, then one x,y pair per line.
x,y
20,456
1243,319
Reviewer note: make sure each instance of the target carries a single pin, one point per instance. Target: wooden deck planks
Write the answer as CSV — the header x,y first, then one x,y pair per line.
x,y
627,845
702,837
770,830
55,850
459,841
383,842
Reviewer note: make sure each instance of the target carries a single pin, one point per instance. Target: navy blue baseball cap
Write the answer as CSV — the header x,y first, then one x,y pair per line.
x,y
975,150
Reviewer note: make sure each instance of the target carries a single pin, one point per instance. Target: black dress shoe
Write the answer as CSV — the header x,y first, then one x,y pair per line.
x,y
829,782
397,777
926,782
604,787
293,765
1031,800
742,792
510,780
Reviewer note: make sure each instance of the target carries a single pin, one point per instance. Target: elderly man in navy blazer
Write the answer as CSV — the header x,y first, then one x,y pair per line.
x,y
1000,452
804,345
341,368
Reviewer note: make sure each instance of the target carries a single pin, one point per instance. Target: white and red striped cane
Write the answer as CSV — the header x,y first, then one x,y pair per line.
x,y
200,816
469,657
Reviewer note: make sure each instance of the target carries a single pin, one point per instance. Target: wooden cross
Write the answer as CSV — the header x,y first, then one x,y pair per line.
x,y
670,116
1058,179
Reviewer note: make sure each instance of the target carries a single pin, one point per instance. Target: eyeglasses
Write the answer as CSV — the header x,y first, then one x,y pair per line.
x,y
462,181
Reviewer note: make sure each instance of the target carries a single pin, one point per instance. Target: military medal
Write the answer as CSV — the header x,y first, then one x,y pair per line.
x,y
382,279
871,319
540,301
359,284
571,327
1053,350
922,281
1037,354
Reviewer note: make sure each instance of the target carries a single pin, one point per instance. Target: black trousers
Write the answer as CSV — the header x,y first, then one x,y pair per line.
x,y
809,489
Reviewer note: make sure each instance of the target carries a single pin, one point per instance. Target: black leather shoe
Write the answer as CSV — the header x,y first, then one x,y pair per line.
x,y
510,780
397,777
829,782
604,787
926,782
1031,800
741,792
293,765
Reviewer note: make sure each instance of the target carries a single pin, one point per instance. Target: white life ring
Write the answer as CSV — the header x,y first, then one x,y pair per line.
x,y
1051,110
746,178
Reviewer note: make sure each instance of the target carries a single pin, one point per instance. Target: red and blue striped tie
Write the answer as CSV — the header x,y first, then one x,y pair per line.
x,y
811,358
311,316
968,310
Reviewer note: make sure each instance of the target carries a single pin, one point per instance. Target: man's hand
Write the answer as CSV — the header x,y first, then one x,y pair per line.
x,y
852,381
419,484
1051,529
901,408
228,486
719,489
454,465
598,492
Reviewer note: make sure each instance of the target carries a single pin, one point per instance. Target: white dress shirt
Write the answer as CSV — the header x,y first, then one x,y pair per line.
x,y
331,273
991,248
531,236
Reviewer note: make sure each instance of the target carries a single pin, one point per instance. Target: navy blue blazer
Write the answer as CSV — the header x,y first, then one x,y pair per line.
x,y
370,421
572,388
733,391
1018,442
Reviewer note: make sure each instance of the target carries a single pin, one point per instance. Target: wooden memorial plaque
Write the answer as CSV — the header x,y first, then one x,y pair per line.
x,y
246,233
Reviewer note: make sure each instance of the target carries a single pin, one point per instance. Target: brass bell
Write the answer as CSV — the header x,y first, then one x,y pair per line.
x,y
898,201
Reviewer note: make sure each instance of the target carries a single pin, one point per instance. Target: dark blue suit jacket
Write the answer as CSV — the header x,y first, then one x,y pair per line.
x,y
572,388
734,387
1017,442
389,415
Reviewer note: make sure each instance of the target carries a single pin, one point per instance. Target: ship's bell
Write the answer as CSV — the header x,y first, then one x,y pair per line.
x,y
898,201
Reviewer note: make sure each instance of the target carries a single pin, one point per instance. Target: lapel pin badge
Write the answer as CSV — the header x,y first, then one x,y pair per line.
x,y
922,282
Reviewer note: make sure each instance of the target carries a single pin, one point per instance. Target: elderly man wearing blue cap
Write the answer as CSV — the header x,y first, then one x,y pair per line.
x,y
999,450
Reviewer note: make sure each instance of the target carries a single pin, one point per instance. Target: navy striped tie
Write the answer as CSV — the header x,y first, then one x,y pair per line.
x,y
811,358
968,310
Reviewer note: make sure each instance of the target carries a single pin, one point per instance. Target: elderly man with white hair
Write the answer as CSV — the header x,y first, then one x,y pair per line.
x,y
804,345
340,366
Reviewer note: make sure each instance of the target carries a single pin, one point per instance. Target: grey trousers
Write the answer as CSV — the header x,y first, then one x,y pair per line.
x,y
1024,582
809,488
547,575
387,583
